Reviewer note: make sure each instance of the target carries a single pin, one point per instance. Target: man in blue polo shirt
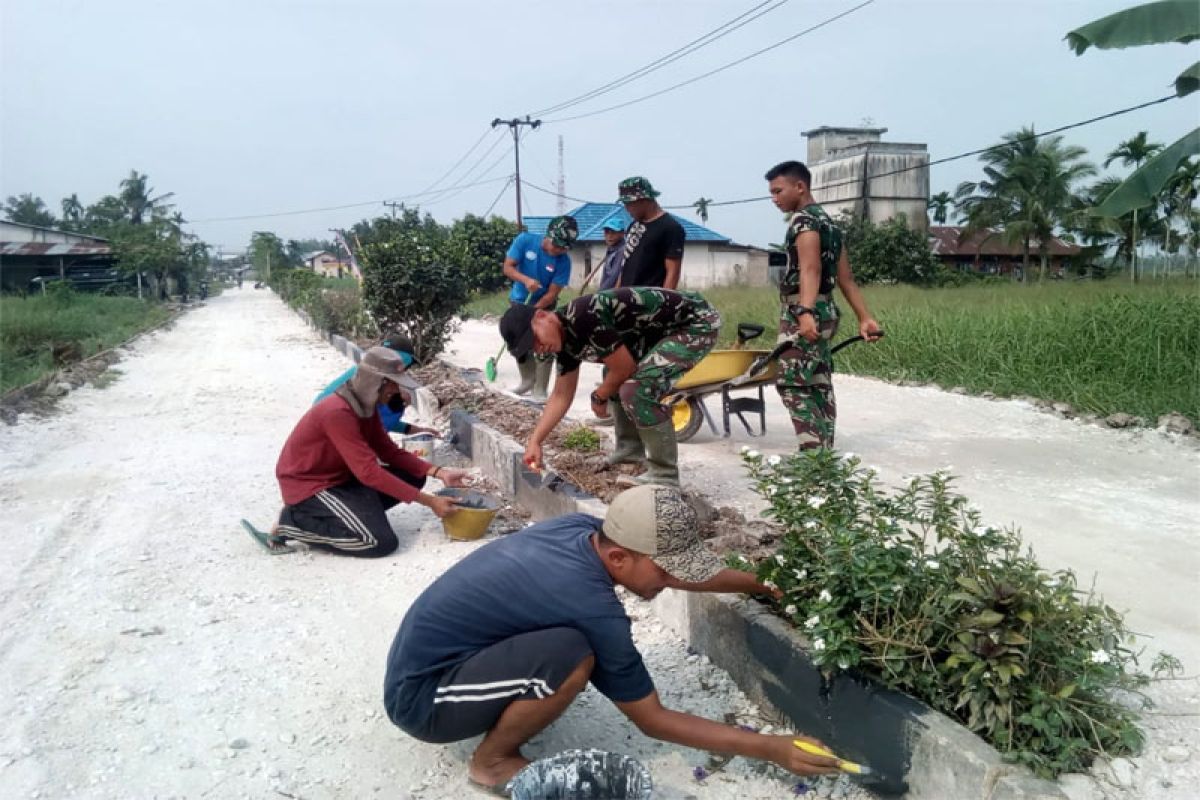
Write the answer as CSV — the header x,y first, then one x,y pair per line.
x,y
506,638
539,268
391,414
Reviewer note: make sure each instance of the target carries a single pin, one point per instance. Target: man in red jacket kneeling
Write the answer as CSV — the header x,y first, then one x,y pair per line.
x,y
339,472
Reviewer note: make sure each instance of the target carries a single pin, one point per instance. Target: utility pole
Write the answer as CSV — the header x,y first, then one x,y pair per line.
x,y
393,207
514,125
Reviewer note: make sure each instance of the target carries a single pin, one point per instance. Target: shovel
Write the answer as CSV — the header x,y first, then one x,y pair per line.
x,y
489,369
760,364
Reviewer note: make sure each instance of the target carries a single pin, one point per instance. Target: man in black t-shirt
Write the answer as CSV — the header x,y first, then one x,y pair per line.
x,y
653,243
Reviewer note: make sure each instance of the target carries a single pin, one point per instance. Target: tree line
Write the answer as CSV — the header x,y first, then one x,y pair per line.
x,y
143,228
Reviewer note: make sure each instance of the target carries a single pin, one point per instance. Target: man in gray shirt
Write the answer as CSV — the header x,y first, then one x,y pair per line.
x,y
614,256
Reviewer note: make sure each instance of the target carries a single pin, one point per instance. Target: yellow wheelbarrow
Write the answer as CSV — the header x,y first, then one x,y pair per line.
x,y
724,371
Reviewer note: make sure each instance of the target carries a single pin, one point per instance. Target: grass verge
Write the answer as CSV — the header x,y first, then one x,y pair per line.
x,y
33,329
1102,347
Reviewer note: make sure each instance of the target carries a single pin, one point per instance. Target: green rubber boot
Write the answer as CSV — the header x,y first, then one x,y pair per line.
x,y
662,455
629,449
541,383
528,369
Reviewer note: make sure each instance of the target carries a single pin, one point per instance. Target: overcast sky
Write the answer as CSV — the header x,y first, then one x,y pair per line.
x,y
247,107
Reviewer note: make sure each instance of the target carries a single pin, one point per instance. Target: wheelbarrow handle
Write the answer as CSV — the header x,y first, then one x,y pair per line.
x,y
852,340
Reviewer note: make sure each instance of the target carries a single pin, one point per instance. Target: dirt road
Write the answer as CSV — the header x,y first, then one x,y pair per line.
x,y
149,649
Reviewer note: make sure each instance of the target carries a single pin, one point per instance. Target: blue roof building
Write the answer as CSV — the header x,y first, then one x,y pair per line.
x,y
709,258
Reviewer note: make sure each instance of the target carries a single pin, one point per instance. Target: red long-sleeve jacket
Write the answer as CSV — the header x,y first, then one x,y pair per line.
x,y
331,444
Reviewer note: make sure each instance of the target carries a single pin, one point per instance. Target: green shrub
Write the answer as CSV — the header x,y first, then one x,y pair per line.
x,y
912,589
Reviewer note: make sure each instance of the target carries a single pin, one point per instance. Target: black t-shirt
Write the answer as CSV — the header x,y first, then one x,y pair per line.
x,y
647,248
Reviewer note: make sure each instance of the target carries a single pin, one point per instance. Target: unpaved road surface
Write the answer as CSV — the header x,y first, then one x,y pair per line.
x,y
148,648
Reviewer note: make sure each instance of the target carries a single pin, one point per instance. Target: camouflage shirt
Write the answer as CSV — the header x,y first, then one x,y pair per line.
x,y
812,218
595,325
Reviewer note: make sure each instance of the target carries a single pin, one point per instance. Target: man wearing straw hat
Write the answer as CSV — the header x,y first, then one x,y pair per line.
x,y
506,639
340,472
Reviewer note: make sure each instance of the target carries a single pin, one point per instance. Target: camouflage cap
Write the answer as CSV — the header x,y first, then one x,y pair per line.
x,y
635,188
563,231
656,521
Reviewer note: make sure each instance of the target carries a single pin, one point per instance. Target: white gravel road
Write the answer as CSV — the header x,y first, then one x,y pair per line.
x,y
149,649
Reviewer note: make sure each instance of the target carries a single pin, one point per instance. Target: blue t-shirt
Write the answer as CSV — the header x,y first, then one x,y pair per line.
x,y
545,576
535,262
392,420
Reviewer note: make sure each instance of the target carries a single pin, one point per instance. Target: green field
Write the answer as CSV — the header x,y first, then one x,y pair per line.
x,y
1101,346
31,327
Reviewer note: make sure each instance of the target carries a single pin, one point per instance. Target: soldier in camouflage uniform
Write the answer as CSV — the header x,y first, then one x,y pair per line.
x,y
646,337
817,261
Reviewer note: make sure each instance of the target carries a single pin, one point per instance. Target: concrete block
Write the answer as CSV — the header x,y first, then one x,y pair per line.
x,y
1026,787
950,761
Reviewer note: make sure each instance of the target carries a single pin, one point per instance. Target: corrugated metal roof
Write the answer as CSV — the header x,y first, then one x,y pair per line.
x,y
944,240
592,216
50,249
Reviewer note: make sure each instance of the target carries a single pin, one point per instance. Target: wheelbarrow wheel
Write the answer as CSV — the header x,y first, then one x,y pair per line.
x,y
687,417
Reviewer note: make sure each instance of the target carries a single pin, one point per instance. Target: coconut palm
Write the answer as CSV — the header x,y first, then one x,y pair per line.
x,y
136,195
940,204
701,207
72,212
1027,191
1179,195
1133,153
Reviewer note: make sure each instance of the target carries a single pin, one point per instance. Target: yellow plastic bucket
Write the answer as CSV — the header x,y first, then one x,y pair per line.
x,y
471,521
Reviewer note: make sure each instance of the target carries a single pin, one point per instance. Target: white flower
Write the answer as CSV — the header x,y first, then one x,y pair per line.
x,y
774,460
780,560
812,622
745,449
843,665
931,563
818,644
897,587
1100,657
743,560
888,544
800,574
785,481
825,596
874,470
753,454
816,502
770,585
848,456
790,610
811,524
771,490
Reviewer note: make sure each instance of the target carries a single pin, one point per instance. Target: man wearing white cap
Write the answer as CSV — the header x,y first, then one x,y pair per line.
x,y
505,639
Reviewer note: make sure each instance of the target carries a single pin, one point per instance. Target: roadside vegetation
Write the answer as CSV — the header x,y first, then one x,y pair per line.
x,y
39,334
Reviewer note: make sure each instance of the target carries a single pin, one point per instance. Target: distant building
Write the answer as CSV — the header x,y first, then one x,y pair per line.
x,y
854,171
709,258
325,263
29,251
985,252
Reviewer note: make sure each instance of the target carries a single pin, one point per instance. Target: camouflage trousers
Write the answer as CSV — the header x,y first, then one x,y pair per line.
x,y
641,395
805,381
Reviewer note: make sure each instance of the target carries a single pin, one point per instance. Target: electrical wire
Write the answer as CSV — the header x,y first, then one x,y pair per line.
x,y
503,189
461,159
925,165
682,52
460,189
471,173
712,72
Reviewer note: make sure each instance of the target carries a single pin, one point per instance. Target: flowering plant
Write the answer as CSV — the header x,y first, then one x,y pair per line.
x,y
909,587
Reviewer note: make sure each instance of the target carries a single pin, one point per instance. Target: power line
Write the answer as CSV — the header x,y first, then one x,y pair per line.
x,y
946,160
336,208
461,159
712,72
503,189
452,194
472,172
719,32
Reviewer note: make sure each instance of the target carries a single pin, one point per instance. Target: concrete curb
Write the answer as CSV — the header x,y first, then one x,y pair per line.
x,y
930,756
927,755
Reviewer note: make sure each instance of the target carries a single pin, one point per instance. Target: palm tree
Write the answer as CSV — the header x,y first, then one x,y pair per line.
x,y
72,212
940,204
701,207
136,195
1180,194
28,209
1133,153
1027,191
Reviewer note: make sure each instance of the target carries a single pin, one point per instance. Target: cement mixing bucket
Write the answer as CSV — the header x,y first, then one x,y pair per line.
x,y
583,775
475,514
419,444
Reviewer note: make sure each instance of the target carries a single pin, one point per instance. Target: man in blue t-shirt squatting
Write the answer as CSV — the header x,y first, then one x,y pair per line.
x,y
505,639
539,268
